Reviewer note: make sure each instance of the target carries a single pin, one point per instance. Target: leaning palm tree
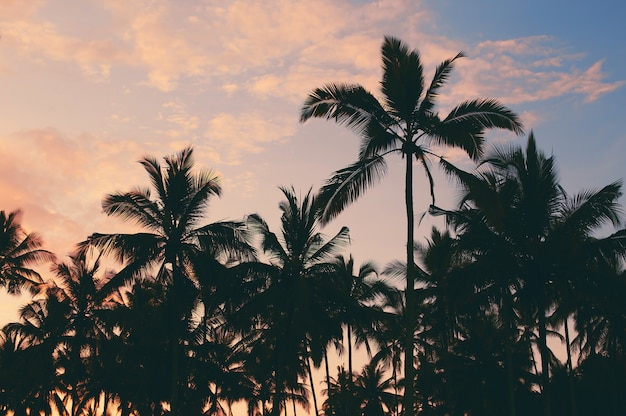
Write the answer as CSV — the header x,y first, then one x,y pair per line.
x,y
404,123
175,244
18,251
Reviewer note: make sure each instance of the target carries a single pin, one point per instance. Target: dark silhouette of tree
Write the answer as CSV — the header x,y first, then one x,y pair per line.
x,y
527,231
405,123
36,342
18,251
341,399
372,388
76,287
173,244
292,312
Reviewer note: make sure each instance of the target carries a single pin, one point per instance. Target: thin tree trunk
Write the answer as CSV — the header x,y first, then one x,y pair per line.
x,y
508,327
409,369
293,399
277,399
570,370
330,406
545,357
308,362
350,353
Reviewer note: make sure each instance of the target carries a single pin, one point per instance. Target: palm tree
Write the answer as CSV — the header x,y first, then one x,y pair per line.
x,y
37,340
361,309
174,243
341,399
534,238
362,291
404,123
18,251
292,311
372,389
85,329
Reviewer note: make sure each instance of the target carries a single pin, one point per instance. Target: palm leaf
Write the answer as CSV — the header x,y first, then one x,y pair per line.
x,y
465,125
347,184
403,81
442,73
350,105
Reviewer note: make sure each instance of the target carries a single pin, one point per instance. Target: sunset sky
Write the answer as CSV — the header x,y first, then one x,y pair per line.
x,y
88,87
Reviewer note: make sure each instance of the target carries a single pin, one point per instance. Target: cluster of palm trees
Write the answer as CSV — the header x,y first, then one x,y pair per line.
x,y
193,318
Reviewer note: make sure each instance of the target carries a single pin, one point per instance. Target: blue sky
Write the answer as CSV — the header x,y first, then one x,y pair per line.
x,y
89,87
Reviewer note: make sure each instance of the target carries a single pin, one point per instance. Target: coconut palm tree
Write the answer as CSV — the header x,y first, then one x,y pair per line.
x,y
405,123
18,251
292,311
37,340
175,244
85,330
361,310
533,236
373,388
364,294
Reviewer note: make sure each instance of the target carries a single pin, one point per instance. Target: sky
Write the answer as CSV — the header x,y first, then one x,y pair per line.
x,y
87,88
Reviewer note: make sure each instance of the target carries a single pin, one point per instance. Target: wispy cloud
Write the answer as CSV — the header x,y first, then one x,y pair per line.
x,y
528,70
233,135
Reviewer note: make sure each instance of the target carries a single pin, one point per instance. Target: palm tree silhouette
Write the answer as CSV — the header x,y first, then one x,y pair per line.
x,y
293,309
404,123
18,251
532,235
173,244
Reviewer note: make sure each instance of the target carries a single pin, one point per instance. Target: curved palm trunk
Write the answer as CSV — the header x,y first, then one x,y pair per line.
x,y
409,369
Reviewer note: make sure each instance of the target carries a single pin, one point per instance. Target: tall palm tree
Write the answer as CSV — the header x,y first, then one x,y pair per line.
x,y
405,123
174,242
18,251
85,330
293,308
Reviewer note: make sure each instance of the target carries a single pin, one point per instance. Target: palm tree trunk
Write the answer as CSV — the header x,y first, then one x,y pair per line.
x,y
277,399
330,405
570,371
507,310
350,352
409,369
545,357
308,363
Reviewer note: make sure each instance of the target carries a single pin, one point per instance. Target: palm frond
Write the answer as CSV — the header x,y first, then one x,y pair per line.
x,y
269,241
465,125
134,206
347,184
403,81
351,105
590,209
329,249
442,73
